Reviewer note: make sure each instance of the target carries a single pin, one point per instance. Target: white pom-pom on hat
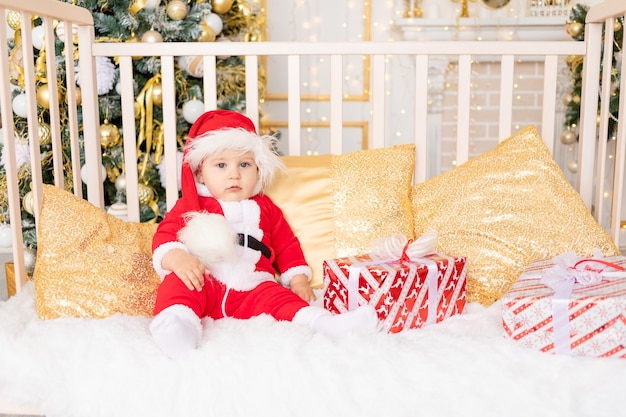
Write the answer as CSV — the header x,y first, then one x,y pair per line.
x,y
209,237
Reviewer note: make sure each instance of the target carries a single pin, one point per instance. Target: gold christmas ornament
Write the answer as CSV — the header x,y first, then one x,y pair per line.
x,y
221,6
28,203
13,19
157,93
572,166
245,9
617,26
109,134
151,36
176,9
78,96
567,99
145,193
43,96
574,29
568,137
207,34
44,133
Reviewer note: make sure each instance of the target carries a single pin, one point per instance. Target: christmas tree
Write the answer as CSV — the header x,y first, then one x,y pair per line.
x,y
135,21
576,29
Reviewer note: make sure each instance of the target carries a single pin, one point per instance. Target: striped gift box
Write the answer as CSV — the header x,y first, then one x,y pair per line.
x,y
406,294
594,315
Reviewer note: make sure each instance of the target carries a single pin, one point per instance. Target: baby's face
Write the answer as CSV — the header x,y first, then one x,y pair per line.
x,y
230,175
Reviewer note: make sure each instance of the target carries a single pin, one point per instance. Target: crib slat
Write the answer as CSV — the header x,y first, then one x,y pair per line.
x,y
293,103
72,111
378,101
336,104
210,82
13,191
549,101
507,69
252,88
31,104
617,210
463,112
54,110
421,118
603,130
130,137
91,117
588,115
169,129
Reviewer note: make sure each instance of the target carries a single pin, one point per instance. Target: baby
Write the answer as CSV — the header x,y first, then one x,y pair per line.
x,y
219,248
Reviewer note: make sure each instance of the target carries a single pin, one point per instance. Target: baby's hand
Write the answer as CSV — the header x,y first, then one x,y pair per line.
x,y
187,267
300,285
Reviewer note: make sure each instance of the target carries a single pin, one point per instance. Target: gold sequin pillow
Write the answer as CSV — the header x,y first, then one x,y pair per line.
x,y
89,263
504,209
338,204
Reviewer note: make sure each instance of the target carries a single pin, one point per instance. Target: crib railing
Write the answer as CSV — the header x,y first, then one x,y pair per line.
x,y
419,55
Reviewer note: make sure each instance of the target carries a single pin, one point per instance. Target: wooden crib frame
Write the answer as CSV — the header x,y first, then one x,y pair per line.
x,y
592,152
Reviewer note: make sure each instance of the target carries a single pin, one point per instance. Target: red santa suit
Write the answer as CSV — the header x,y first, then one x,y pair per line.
x,y
244,285
243,244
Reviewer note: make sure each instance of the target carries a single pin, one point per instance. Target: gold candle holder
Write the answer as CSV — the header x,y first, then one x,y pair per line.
x,y
413,9
464,8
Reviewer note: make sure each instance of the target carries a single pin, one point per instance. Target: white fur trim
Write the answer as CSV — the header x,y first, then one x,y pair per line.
x,y
209,237
177,330
262,147
159,253
285,277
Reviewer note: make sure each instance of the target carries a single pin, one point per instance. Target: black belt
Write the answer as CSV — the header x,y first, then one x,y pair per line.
x,y
255,244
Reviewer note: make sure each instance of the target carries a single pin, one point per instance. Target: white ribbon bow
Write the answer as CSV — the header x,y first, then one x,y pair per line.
x,y
568,270
398,246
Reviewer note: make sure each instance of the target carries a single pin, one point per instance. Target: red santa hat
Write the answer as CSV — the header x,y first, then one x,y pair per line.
x,y
219,130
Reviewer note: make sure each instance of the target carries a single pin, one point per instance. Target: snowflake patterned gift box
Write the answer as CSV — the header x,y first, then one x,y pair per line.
x,y
406,293
569,305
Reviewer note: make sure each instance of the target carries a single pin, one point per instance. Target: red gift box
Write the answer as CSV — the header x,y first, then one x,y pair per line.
x,y
587,320
406,294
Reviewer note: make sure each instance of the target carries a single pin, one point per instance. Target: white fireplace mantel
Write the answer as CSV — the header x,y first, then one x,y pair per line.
x,y
484,28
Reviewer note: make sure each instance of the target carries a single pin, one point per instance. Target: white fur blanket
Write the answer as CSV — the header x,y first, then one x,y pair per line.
x,y
461,367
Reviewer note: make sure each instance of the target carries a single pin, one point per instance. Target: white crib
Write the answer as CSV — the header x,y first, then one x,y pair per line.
x,y
593,164
592,153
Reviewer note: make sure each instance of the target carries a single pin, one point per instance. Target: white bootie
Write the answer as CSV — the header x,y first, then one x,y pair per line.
x,y
176,330
363,319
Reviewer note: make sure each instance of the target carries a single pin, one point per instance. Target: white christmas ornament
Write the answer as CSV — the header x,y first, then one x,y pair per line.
x,y
572,166
38,36
215,22
105,74
83,173
6,238
19,105
192,110
22,153
119,210
151,4
179,164
60,31
194,65
120,182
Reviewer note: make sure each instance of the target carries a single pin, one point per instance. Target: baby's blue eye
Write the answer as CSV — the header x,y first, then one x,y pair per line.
x,y
244,164
221,165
